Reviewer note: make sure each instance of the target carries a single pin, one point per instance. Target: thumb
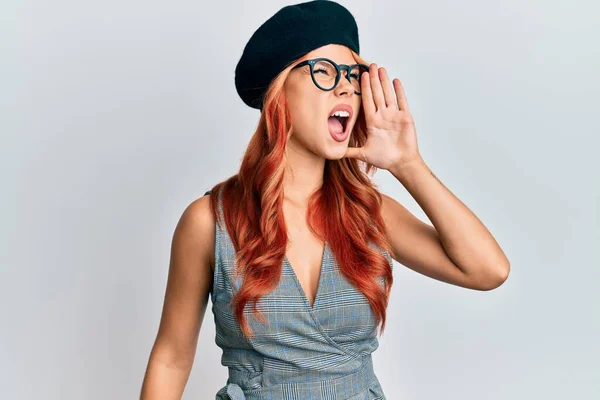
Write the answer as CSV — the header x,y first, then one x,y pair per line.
x,y
356,152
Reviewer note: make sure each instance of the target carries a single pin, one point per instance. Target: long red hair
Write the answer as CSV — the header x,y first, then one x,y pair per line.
x,y
345,212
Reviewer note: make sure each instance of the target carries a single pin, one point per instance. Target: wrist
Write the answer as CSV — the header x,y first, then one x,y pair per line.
x,y
404,169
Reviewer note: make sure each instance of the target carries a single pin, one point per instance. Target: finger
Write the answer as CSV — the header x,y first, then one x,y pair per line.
x,y
356,152
378,98
366,94
388,91
400,96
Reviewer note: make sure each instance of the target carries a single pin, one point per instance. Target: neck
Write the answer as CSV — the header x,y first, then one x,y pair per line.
x,y
303,174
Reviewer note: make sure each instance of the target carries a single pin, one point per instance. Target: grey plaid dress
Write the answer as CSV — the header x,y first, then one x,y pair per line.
x,y
321,352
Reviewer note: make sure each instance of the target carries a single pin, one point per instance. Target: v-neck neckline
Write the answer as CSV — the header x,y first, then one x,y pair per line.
x,y
299,285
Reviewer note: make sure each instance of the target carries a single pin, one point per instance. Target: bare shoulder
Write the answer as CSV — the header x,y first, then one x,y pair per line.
x,y
188,285
392,211
196,229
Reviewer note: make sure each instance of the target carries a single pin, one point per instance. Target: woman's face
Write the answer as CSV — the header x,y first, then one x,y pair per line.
x,y
311,107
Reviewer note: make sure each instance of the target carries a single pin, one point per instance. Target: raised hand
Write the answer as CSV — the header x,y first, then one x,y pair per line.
x,y
392,137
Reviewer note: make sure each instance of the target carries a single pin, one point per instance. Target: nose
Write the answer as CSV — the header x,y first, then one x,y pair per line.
x,y
344,86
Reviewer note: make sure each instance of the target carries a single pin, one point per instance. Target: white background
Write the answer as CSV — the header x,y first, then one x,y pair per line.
x,y
115,115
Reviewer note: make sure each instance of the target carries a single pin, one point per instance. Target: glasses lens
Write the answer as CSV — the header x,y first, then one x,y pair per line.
x,y
324,73
355,75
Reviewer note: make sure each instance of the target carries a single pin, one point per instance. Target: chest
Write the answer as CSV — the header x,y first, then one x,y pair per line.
x,y
305,253
312,300
304,259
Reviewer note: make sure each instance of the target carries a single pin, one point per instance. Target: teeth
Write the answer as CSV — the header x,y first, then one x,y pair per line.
x,y
340,114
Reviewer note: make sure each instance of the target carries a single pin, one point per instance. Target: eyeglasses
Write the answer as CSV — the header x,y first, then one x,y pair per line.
x,y
326,74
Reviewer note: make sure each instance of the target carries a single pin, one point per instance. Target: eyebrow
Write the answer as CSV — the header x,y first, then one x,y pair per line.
x,y
339,63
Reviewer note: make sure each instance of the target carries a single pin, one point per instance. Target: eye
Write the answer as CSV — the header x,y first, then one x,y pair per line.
x,y
321,69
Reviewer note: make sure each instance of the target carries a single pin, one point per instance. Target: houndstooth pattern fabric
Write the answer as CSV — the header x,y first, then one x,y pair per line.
x,y
321,352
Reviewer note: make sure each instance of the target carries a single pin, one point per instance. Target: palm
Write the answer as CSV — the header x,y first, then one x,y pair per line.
x,y
391,134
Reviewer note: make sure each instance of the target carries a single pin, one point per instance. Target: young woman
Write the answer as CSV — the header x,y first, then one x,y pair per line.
x,y
296,249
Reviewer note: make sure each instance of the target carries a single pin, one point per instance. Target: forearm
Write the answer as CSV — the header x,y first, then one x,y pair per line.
x,y
165,378
464,237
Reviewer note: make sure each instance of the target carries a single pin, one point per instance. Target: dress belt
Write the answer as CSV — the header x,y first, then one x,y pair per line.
x,y
233,392
330,389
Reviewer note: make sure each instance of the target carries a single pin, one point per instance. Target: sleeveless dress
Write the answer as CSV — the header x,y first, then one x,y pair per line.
x,y
321,352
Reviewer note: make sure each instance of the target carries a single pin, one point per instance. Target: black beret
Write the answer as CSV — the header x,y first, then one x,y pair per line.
x,y
291,33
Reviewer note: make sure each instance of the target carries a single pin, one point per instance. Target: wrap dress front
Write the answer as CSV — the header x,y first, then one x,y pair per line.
x,y
318,352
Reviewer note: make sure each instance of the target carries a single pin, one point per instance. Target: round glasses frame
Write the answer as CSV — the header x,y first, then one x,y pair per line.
x,y
339,68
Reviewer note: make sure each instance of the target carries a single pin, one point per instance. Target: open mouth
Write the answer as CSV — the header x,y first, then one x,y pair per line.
x,y
339,120
343,121
338,124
